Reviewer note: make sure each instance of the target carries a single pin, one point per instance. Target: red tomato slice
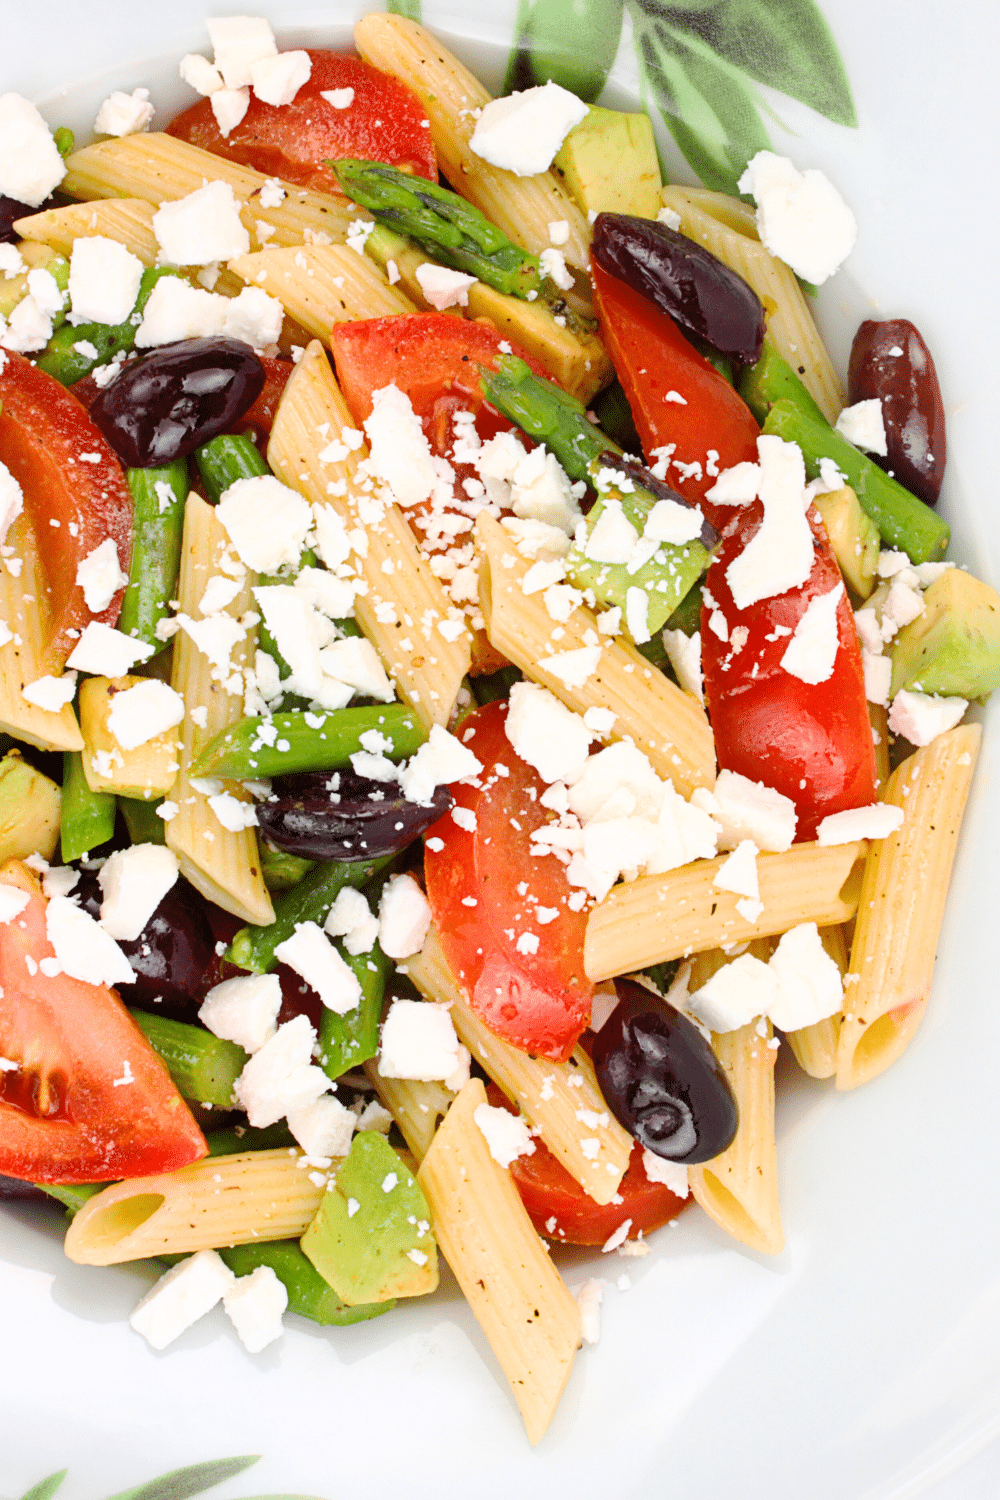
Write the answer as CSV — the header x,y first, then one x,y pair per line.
x,y
810,741
260,417
653,358
292,141
561,1210
62,1119
484,886
69,475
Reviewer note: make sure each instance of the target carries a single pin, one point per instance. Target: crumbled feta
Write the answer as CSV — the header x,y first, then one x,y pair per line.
x,y
266,521
203,226
670,217
238,42
749,810
229,107
558,231
522,132
30,164
299,633
338,98
878,677
253,317
276,80
546,734
106,652
637,614
684,654
355,661
82,948
375,1117
443,287
903,604
739,872
11,501
573,668
507,1135
536,540
673,523
46,292
735,994
589,1299
243,1010
351,918
619,769
613,536
801,218
176,310
875,822
234,814
280,1077
862,424
124,114
440,760
404,917
779,556
51,693
28,329
133,882
736,486
333,597
869,631
673,1174
100,576
184,1294
812,651
315,959
419,1042
140,713
400,453
199,73
552,263
921,717
809,983
255,1304
323,1128
12,903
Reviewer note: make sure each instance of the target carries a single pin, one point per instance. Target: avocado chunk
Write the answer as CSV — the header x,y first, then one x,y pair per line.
x,y
609,164
30,805
371,1238
308,1294
953,649
854,538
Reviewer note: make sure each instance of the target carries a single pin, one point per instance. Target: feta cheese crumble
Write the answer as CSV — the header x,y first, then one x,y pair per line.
x,y
523,132
184,1294
801,218
124,114
812,650
404,917
419,1042
133,882
863,425
875,822
255,1304
201,227
315,959
243,1010
30,164
280,1077
100,576
443,287
507,1135
921,717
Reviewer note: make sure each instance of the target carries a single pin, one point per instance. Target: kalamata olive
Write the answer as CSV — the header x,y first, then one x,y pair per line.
x,y
890,360
341,815
661,1079
685,280
11,210
640,475
172,401
12,1189
173,958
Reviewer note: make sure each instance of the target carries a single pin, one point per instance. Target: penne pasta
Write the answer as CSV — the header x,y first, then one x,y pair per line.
x,y
555,1097
320,285
149,770
879,719
403,606
484,1233
902,906
219,1201
668,725
728,229
661,917
223,865
523,207
127,220
416,1107
815,1047
22,659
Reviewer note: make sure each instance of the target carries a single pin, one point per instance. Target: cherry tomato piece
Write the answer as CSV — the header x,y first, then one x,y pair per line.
x,y
260,416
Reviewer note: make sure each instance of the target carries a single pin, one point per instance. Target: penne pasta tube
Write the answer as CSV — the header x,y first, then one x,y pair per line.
x,y
149,770
815,1047
483,1230
879,719
523,207
223,865
416,1107
661,917
902,906
668,725
127,220
403,605
728,229
556,1097
22,659
320,285
219,1201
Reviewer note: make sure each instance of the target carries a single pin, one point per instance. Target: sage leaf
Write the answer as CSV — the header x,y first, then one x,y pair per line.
x,y
45,1488
180,1484
572,42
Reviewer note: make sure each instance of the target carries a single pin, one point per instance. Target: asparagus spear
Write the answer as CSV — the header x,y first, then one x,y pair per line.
x,y
64,356
310,901
88,818
323,741
158,497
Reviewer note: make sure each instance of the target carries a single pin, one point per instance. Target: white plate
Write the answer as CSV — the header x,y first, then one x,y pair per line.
x,y
862,1362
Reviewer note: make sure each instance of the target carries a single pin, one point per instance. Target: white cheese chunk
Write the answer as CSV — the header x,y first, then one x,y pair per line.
x,y
297,629
176,310
351,918
133,882
51,693
229,107
684,654
12,903
863,425
673,1174
921,717
315,959
186,1293
749,810
588,1298
255,1304
613,536
637,615
239,42
522,132
106,652
875,822
573,668
779,556
736,486
243,1010
903,604
440,760
201,227
507,1135
546,734
355,661
100,576
142,712
253,317
338,98
869,631
276,80
124,114
281,1076
400,453
536,540
28,328
404,917
333,597
323,1128
202,75
801,218
809,984
552,263
878,677
619,768
541,491
735,994
266,522
419,1042
30,164
671,522
82,948
443,287
739,872
48,295
812,651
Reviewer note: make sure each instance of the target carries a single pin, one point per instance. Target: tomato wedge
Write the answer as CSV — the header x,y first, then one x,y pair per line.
x,y
75,494
62,1117
260,417
293,141
524,977
561,1210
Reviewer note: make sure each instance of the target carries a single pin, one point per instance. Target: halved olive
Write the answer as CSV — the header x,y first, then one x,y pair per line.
x,y
341,815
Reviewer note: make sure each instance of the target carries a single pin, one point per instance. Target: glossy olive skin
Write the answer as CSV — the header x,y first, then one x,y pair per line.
x,y
912,409
661,1079
11,210
13,1190
170,402
692,286
354,820
173,958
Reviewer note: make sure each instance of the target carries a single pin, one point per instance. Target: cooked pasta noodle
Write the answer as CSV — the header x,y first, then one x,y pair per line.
x,y
815,1047
127,220
23,660
416,1107
320,285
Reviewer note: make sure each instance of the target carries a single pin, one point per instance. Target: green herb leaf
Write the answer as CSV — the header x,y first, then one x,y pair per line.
x,y
180,1484
45,1488
572,42
411,9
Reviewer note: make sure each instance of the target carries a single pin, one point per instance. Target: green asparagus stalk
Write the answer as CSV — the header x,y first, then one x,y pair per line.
x,y
349,1040
308,1294
72,1195
231,1140
225,460
310,901
204,1067
772,379
87,819
281,870
547,414
322,741
67,362
158,524
905,522
144,824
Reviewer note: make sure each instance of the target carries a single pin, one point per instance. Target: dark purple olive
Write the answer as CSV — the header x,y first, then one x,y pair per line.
x,y
890,360
11,210
687,282
340,815
173,958
12,1189
172,401
661,1079
642,476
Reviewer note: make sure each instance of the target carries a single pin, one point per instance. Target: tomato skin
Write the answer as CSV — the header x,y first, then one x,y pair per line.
x,y
773,727
78,1037
260,417
292,141
43,431
538,1002
652,357
549,1192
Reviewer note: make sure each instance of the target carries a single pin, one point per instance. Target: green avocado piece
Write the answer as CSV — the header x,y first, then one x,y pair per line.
x,y
854,538
953,649
371,1238
30,806
609,164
